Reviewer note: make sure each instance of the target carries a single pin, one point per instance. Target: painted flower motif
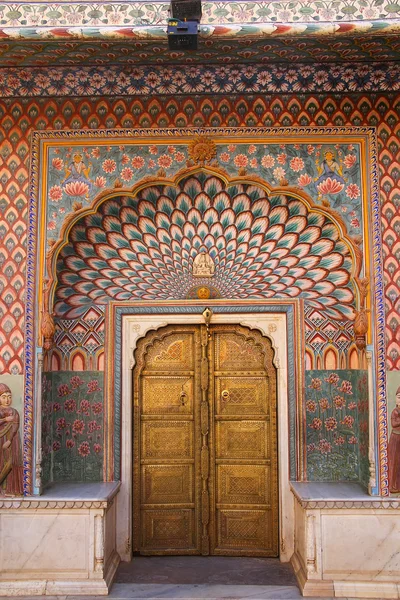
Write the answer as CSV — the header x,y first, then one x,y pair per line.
x,y
225,157
316,424
330,423
125,159
84,449
324,404
232,147
346,387
355,223
330,186
352,406
310,149
332,378
97,448
92,426
297,164
70,405
56,407
58,164
151,164
171,149
339,402
339,440
137,162
241,160
311,406
85,407
350,160
63,390
100,181
281,158
76,382
126,174
93,386
311,447
109,165
253,163
304,180
153,149
252,148
56,446
324,446
76,188
70,444
279,173
268,161
164,161
78,426
96,152
55,193
348,421
61,424
315,384
97,408
352,191
179,157
51,225
353,440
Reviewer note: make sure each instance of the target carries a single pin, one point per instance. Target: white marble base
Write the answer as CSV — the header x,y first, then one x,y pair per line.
x,y
347,542
61,543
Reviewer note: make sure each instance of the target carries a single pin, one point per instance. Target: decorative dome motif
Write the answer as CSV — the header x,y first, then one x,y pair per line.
x,y
143,247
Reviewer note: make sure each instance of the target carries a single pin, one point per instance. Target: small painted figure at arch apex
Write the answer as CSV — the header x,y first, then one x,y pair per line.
x,y
203,265
10,446
394,448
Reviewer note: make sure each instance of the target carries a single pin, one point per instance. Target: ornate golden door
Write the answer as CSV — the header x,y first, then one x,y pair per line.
x,y
205,447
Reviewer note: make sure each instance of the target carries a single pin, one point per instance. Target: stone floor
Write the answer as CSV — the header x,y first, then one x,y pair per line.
x,y
199,578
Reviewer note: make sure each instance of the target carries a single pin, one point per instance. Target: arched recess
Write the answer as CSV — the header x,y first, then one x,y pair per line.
x,y
265,242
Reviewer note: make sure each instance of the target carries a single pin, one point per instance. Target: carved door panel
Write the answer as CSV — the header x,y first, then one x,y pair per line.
x,y
166,494
205,459
243,393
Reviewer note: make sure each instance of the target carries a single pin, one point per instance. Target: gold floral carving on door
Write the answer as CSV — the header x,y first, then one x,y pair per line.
x,y
205,442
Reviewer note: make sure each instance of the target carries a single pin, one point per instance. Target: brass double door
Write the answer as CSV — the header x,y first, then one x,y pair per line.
x,y
205,451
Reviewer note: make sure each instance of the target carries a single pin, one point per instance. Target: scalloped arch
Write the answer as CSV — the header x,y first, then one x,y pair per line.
x,y
265,242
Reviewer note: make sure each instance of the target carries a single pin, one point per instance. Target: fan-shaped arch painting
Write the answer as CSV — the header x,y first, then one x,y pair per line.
x,y
143,247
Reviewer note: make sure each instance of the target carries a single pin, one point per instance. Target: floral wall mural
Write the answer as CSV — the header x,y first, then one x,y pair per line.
x,y
337,425
72,426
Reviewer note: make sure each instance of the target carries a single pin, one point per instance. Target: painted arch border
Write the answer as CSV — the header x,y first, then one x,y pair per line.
x,y
35,264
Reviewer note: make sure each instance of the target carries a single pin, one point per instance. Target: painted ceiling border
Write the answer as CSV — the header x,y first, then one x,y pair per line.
x,y
64,13
172,81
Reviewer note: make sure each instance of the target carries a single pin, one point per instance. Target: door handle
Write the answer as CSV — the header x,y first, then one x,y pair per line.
x,y
225,395
183,397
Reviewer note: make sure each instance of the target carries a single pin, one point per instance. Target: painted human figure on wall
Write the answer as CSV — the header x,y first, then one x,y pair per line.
x,y
330,168
78,172
394,448
10,446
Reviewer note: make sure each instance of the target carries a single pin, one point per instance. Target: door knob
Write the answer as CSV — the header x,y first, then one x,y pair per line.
x,y
224,395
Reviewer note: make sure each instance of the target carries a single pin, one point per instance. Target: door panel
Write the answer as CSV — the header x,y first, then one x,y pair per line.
x,y
205,442
245,512
167,501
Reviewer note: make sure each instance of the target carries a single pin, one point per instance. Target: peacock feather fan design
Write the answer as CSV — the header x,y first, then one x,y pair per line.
x,y
143,247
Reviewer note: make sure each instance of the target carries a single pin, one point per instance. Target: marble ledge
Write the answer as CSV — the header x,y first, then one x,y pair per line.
x,y
68,495
339,495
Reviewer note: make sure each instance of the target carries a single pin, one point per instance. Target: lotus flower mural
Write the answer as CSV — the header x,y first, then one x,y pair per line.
x,y
143,247
76,188
330,186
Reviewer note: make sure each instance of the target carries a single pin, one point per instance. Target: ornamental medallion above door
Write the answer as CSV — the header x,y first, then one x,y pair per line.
x,y
205,442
